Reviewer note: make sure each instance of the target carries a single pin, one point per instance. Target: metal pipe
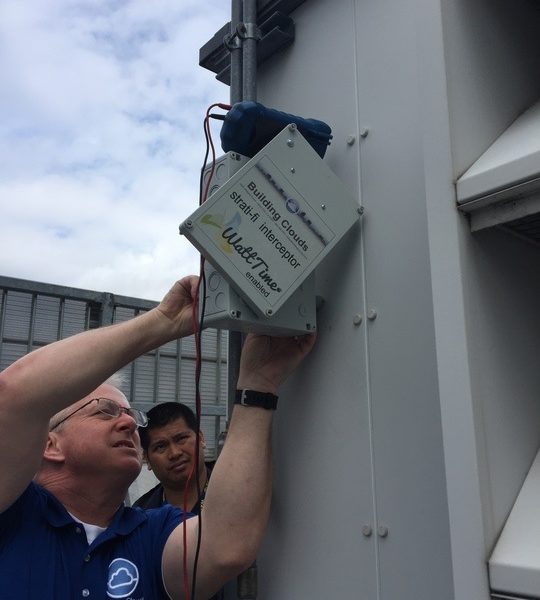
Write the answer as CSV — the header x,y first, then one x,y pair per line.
x,y
30,345
249,52
234,342
233,367
3,310
61,313
236,54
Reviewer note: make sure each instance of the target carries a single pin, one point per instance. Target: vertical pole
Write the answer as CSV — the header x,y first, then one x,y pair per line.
x,y
61,312
3,310
249,53
30,345
217,388
178,368
236,54
157,367
133,374
234,346
107,309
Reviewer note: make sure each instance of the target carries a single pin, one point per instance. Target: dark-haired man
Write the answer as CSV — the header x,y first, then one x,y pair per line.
x,y
169,445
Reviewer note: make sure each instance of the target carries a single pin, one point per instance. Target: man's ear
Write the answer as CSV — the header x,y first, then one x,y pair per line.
x,y
201,438
53,449
145,460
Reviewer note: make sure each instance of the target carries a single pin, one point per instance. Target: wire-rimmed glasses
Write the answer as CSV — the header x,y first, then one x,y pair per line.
x,y
111,409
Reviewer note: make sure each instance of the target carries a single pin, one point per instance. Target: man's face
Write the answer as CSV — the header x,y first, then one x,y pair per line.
x,y
171,452
93,441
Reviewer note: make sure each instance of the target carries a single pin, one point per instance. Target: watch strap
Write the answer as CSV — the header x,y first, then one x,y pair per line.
x,y
254,398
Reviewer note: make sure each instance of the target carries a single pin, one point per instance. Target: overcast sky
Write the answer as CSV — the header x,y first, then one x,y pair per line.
x,y
101,139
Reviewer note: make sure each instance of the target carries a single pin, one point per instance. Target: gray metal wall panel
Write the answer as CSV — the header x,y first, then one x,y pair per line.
x,y
167,378
485,285
144,368
368,401
448,231
17,323
492,52
410,486
323,493
74,318
46,320
11,353
502,296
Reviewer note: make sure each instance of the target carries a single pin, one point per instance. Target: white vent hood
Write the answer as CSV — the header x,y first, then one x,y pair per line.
x,y
503,185
514,566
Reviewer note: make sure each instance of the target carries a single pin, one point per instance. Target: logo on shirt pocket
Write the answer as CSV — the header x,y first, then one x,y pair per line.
x,y
123,578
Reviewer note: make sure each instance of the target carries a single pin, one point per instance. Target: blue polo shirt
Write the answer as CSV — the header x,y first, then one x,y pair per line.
x,y
44,553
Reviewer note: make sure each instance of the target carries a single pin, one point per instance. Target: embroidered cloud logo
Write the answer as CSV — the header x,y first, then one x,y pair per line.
x,y
123,578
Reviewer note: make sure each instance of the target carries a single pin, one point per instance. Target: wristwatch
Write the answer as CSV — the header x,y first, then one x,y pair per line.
x,y
253,398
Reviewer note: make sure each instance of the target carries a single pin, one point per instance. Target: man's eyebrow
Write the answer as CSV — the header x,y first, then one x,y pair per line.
x,y
158,441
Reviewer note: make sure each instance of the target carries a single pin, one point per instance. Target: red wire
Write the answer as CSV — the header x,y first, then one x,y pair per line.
x,y
198,353
207,129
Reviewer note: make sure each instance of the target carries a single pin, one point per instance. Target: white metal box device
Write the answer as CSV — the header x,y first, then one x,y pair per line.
x,y
273,222
224,308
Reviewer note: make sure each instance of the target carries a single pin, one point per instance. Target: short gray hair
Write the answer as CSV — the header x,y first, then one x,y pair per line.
x,y
117,380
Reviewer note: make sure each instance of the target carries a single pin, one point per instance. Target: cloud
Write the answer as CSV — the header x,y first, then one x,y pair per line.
x,y
121,578
101,139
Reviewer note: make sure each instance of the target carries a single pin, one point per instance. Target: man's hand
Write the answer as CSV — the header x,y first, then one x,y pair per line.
x,y
177,306
266,361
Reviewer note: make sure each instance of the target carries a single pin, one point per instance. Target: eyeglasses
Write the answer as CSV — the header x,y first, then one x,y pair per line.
x,y
112,410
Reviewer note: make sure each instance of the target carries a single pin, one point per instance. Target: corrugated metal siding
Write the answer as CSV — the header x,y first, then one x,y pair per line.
x,y
35,314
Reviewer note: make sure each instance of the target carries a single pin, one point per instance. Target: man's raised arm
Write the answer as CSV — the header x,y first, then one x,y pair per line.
x,y
237,502
47,380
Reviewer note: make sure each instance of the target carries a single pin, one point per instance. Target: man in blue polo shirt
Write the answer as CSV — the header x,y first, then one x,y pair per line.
x,y
70,449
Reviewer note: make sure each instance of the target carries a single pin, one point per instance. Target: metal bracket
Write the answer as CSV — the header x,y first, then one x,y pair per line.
x,y
248,31
244,31
275,33
232,42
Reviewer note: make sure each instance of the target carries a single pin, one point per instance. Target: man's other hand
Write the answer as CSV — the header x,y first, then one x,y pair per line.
x,y
177,306
266,361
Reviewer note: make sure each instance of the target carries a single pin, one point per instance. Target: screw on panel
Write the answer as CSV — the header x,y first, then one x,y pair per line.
x,y
350,140
367,531
323,206
293,170
382,531
357,320
372,314
235,314
364,133
292,126
269,312
290,143
188,224
360,210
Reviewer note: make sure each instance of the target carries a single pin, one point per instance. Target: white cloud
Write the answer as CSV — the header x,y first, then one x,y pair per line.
x,y
101,139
